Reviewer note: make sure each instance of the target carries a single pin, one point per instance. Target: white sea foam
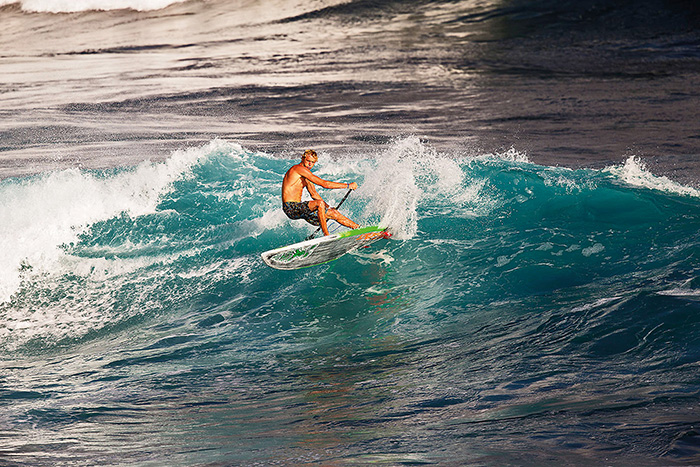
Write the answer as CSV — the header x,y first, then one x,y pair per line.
x,y
39,216
72,6
592,250
511,155
635,173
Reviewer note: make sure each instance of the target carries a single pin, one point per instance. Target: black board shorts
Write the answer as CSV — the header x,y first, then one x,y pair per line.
x,y
301,210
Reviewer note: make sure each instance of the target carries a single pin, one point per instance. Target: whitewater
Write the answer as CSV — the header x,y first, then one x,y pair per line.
x,y
537,163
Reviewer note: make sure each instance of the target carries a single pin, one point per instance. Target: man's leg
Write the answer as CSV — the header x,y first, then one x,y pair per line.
x,y
320,205
336,216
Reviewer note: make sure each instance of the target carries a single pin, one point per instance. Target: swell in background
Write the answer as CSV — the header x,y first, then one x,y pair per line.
x,y
580,84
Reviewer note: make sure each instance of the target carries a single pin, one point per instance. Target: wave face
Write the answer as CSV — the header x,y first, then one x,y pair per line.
x,y
540,312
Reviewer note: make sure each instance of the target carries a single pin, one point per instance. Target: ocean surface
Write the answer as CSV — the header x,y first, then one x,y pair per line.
x,y
538,162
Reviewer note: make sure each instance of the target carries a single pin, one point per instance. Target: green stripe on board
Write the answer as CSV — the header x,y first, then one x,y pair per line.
x,y
363,230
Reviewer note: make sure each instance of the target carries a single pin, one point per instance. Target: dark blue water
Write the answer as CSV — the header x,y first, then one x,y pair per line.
x,y
537,161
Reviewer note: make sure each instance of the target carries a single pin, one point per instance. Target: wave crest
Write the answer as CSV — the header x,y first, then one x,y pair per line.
x,y
635,172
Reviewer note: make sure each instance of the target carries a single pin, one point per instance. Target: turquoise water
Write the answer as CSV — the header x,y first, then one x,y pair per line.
x,y
521,314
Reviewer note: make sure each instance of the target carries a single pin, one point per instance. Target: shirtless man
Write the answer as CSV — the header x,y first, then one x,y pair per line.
x,y
315,212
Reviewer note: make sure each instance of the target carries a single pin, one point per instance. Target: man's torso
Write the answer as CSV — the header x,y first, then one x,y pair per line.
x,y
292,185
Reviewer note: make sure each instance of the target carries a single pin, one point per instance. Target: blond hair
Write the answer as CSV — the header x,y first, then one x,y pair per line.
x,y
310,154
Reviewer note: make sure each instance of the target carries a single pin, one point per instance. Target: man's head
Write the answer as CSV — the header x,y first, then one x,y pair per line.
x,y
309,158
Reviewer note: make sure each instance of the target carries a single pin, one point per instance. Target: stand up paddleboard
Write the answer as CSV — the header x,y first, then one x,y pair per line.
x,y
323,249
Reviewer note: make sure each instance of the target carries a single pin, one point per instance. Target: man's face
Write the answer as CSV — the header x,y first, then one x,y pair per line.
x,y
308,162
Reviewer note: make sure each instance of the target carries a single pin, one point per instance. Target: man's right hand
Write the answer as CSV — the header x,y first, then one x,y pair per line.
x,y
353,186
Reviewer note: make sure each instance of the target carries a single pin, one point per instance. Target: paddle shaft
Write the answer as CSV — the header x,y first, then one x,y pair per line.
x,y
337,207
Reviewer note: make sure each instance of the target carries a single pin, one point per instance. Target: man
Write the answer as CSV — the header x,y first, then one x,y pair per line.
x,y
316,211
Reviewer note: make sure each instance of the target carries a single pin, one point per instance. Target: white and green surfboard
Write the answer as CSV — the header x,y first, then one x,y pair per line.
x,y
323,249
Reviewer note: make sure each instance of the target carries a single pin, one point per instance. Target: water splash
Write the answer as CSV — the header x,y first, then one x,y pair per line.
x,y
409,176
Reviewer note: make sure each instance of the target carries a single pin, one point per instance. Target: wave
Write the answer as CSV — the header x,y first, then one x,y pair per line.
x,y
74,6
87,253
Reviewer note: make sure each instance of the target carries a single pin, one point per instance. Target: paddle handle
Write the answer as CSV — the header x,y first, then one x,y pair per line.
x,y
343,200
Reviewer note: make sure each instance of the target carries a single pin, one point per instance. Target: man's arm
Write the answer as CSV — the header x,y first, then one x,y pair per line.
x,y
306,173
311,188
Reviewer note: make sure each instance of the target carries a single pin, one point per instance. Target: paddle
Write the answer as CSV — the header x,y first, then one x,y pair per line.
x,y
337,207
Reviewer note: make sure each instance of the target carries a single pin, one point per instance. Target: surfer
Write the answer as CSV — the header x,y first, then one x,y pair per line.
x,y
315,212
